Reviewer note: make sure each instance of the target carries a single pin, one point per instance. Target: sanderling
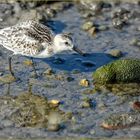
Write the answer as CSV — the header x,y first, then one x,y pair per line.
x,y
34,40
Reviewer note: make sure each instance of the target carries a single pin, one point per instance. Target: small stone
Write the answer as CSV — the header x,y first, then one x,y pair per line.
x,y
54,117
103,28
87,15
85,104
87,25
84,82
32,4
28,62
1,73
102,106
136,105
60,77
53,127
94,6
69,79
117,23
50,12
49,72
54,120
92,132
115,53
57,6
135,42
54,102
92,31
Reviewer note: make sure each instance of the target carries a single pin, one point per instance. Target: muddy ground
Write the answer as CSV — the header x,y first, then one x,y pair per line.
x,y
70,68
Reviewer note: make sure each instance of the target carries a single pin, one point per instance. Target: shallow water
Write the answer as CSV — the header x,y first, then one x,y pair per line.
x,y
86,121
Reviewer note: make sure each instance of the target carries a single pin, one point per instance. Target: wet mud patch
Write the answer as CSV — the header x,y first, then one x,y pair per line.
x,y
29,110
128,89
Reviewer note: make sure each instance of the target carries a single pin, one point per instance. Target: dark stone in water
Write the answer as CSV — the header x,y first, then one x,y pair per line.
x,y
88,64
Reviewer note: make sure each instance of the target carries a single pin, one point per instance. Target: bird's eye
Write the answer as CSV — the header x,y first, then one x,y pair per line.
x,y
66,43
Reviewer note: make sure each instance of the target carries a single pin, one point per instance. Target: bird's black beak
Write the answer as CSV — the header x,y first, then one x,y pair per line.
x,y
78,51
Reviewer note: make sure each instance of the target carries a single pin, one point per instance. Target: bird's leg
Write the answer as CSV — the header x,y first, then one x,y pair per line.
x,y
29,87
10,66
33,64
8,89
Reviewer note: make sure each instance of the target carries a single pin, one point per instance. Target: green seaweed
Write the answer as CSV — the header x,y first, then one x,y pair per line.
x,y
119,71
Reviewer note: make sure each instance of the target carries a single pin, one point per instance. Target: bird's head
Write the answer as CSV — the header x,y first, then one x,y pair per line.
x,y
64,42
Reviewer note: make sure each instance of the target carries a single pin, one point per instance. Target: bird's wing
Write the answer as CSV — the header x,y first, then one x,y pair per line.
x,y
38,31
26,36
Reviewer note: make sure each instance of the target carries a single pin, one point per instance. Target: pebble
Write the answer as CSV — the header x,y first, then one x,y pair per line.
x,y
120,18
53,127
117,23
102,106
85,104
54,117
115,53
135,42
69,79
54,102
87,15
54,121
84,82
136,105
49,71
95,7
60,6
103,28
50,12
87,25
92,31
92,131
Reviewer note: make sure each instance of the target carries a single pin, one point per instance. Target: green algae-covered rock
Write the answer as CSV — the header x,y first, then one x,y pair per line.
x,y
119,71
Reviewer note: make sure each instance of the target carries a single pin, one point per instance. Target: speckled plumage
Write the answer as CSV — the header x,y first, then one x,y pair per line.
x,y
28,38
